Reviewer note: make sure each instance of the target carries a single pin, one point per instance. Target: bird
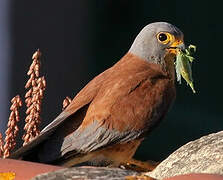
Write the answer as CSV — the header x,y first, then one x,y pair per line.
x,y
109,118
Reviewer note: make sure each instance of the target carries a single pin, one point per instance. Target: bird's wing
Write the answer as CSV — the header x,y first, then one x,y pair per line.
x,y
82,99
130,102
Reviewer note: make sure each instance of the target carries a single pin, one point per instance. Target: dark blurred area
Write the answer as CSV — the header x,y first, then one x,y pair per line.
x,y
79,39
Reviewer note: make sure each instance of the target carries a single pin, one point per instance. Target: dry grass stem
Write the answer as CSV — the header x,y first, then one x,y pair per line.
x,y
66,102
1,145
33,98
12,130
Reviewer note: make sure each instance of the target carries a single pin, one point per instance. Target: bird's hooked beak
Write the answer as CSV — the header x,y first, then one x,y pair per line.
x,y
176,45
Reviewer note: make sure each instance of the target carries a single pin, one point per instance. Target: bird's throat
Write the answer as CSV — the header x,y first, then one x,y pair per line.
x,y
169,65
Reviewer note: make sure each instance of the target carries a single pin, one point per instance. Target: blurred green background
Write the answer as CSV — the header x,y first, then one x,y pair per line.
x,y
79,39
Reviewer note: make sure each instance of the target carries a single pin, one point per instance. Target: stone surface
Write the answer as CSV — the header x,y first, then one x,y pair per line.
x,y
204,155
86,173
196,177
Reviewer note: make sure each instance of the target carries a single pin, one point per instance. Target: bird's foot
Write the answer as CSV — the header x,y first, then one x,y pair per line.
x,y
139,177
139,166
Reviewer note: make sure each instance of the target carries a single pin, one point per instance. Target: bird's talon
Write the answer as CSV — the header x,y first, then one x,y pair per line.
x,y
139,177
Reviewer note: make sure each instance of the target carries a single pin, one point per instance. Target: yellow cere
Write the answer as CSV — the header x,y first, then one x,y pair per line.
x,y
7,176
183,65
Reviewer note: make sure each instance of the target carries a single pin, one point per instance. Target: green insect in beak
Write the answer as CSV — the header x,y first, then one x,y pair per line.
x,y
183,65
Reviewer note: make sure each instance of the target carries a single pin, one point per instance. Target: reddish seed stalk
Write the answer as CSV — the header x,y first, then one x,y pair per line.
x,y
1,145
36,86
12,130
66,102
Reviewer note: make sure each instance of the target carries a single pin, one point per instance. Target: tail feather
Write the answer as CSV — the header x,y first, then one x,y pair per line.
x,y
45,133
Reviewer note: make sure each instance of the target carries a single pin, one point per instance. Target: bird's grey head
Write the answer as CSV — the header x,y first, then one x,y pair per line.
x,y
156,40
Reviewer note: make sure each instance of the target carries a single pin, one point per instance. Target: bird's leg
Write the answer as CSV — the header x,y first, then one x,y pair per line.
x,y
140,166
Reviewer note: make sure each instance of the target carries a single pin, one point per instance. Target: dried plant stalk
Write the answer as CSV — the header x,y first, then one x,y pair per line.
x,y
66,102
33,98
1,145
12,130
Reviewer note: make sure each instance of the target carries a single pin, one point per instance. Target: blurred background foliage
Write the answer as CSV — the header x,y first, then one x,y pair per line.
x,y
81,38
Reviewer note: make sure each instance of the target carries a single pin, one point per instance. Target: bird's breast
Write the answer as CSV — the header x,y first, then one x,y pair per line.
x,y
169,65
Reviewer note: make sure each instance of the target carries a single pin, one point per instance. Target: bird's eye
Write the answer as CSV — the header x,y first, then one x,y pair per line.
x,y
164,37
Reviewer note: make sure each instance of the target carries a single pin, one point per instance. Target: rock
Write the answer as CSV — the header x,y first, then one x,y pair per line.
x,y
86,173
204,155
196,177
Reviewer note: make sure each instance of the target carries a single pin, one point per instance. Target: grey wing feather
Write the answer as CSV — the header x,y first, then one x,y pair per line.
x,y
95,137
